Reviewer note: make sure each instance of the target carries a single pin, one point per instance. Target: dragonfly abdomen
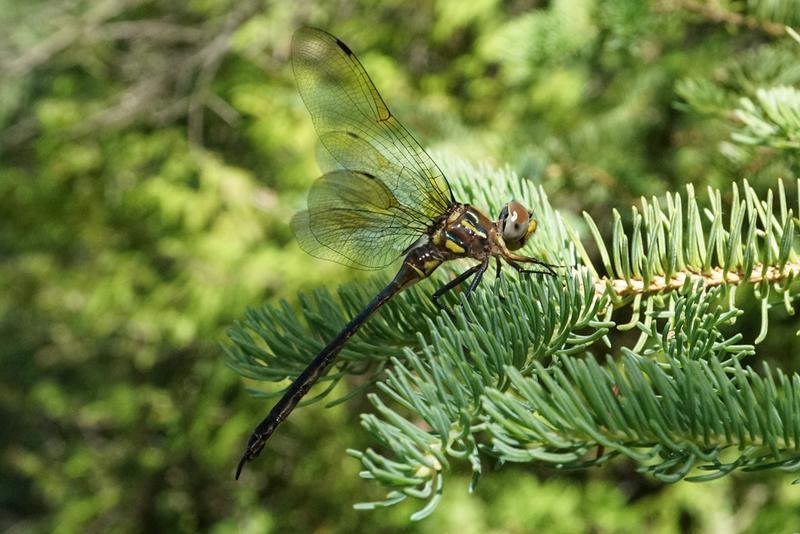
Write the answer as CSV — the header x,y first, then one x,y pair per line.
x,y
419,263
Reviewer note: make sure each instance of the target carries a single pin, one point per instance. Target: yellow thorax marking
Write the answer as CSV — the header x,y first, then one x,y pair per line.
x,y
469,226
430,265
454,247
420,273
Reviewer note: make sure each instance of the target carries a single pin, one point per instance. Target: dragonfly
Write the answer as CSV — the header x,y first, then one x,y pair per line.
x,y
386,199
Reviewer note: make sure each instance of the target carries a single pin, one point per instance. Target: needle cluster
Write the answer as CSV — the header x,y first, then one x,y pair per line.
x,y
541,369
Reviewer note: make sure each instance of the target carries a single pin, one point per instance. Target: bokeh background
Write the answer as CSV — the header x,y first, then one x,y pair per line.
x,y
151,155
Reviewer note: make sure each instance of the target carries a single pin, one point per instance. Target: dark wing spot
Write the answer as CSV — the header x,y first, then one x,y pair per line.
x,y
351,134
344,47
368,175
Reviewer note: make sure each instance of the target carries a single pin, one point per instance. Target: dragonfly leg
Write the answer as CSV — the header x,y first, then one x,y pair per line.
x,y
477,280
499,277
454,282
513,258
521,270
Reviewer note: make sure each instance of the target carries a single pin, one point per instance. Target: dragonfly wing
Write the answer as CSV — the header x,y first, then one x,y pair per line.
x,y
357,128
354,219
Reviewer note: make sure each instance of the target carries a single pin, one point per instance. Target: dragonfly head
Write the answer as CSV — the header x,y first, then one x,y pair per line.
x,y
515,224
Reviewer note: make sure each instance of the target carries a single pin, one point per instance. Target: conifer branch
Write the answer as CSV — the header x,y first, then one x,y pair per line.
x,y
510,374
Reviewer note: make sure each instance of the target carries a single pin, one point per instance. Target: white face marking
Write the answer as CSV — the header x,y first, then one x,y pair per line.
x,y
513,215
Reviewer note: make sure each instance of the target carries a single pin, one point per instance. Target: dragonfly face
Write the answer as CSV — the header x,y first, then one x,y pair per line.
x,y
467,232
388,198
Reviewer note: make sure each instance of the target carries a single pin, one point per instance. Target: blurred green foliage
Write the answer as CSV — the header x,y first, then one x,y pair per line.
x,y
151,154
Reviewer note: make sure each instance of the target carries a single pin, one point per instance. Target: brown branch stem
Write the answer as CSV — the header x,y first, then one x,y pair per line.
x,y
716,277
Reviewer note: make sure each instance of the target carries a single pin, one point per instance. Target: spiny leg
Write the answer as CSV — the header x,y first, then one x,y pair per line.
x,y
513,258
454,282
549,269
477,280
499,277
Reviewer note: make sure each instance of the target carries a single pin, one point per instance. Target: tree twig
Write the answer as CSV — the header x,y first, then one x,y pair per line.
x,y
716,13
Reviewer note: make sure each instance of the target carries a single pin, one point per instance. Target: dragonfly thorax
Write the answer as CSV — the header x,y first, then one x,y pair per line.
x,y
465,232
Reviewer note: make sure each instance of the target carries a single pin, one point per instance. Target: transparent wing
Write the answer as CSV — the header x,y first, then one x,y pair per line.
x,y
354,219
357,128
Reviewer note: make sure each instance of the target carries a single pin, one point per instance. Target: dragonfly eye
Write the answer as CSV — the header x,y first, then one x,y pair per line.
x,y
503,213
514,224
